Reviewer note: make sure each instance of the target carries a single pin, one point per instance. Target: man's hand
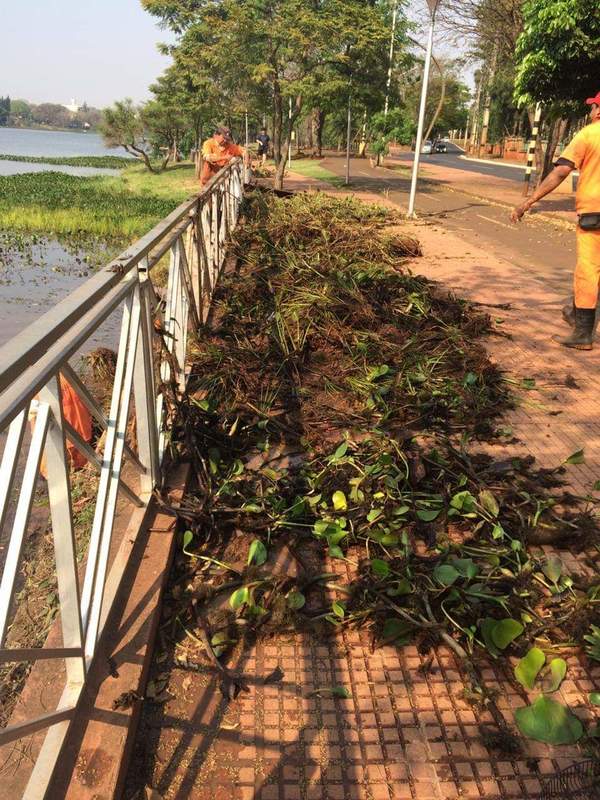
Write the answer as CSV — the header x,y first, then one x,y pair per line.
x,y
518,211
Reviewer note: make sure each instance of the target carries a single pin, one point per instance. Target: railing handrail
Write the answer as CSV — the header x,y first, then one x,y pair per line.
x,y
150,363
26,348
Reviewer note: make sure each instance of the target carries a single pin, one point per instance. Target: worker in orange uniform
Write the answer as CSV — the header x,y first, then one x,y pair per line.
x,y
217,152
583,153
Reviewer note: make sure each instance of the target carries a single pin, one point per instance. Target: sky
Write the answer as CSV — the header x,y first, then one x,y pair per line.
x,y
95,51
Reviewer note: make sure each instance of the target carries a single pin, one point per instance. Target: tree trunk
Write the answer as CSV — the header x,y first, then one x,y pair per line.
x,y
277,124
555,134
318,121
278,183
141,155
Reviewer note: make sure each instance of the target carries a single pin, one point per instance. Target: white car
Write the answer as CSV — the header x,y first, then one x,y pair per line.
x,y
427,147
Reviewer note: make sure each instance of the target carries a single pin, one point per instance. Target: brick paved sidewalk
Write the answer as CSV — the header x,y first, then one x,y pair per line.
x,y
407,731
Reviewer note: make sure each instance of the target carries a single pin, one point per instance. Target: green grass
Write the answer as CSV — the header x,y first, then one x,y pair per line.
x,y
110,207
101,162
312,169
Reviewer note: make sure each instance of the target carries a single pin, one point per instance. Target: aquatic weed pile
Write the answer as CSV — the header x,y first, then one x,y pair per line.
x,y
334,415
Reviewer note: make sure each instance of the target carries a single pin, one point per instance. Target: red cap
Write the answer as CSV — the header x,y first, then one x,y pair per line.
x,y
593,101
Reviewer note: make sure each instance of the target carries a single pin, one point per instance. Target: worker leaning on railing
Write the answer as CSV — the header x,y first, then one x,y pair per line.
x,y
218,151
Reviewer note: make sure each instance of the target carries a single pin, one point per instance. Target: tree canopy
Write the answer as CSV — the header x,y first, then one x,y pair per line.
x,y
558,52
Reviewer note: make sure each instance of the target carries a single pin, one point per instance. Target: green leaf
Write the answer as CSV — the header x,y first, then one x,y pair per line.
x,y
465,567
428,514
220,642
548,721
336,552
489,502
339,609
394,628
498,532
487,626
239,597
251,508
558,670
506,631
403,586
595,698
575,458
380,568
445,574
374,514
553,568
339,453
528,667
463,501
257,553
596,486
296,600
187,539
339,501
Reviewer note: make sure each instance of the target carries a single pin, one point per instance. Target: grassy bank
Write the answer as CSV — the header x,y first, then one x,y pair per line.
x,y
121,206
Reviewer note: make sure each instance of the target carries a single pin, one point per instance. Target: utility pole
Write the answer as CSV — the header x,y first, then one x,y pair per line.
x,y
532,148
290,134
389,75
487,103
247,138
475,126
433,4
348,135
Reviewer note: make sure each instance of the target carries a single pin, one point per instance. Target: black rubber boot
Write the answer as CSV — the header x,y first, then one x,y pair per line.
x,y
583,335
568,314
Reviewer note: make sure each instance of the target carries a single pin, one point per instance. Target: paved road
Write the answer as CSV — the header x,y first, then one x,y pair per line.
x,y
536,246
453,159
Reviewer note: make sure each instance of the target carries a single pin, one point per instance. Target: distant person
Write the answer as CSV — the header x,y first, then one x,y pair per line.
x,y
263,140
583,153
217,152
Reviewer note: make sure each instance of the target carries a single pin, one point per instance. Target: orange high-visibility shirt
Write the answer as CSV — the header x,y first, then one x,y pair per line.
x,y
584,152
211,147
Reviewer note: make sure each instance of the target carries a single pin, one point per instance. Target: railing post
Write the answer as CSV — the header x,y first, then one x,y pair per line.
x,y
144,387
61,513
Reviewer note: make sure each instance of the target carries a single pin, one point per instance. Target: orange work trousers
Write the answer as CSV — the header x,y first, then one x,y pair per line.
x,y
587,270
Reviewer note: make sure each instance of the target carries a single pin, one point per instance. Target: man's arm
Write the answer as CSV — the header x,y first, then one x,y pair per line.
x,y
549,184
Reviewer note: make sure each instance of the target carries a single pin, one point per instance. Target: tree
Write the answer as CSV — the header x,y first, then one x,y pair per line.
x,y
558,53
558,63
51,114
20,110
4,110
123,126
280,51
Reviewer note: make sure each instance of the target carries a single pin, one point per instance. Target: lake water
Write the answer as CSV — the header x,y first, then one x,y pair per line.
x,y
54,144
24,142
35,276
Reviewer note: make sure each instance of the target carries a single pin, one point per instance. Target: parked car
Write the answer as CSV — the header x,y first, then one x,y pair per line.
x,y
427,147
440,147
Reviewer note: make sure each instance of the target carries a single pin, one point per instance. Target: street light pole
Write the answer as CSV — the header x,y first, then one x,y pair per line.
x,y
290,134
389,75
348,135
433,4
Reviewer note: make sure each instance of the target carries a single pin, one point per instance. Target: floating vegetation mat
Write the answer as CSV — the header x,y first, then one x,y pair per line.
x,y
343,411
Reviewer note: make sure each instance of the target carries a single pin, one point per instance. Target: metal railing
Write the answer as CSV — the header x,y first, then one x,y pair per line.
x,y
195,236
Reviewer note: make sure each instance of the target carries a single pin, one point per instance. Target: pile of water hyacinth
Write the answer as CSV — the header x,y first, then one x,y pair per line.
x,y
344,412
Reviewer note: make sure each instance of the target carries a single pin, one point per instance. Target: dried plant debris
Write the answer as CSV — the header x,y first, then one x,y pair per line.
x,y
335,419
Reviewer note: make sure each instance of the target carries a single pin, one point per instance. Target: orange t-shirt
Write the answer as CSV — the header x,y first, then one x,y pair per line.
x,y
584,152
211,148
